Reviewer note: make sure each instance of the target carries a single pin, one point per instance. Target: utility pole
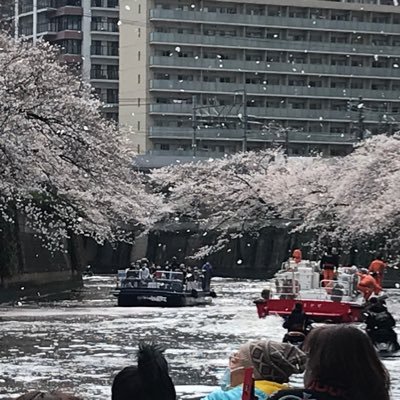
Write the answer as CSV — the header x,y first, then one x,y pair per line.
x,y
194,126
244,142
287,142
361,117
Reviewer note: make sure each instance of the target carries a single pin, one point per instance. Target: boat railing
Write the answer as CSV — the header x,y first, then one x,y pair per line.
x,y
334,290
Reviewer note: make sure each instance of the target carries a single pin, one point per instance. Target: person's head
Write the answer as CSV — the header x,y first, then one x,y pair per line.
x,y
272,361
56,395
353,269
298,307
149,380
334,250
329,249
343,356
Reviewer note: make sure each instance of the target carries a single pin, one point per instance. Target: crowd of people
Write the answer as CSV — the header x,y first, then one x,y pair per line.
x,y
367,281
339,363
147,271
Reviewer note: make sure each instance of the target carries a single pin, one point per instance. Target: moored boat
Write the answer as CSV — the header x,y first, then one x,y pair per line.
x,y
164,289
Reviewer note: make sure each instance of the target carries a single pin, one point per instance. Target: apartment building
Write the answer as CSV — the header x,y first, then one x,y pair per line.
x,y
87,32
328,70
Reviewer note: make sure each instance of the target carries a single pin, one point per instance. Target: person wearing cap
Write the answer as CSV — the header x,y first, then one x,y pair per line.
x,y
368,284
272,362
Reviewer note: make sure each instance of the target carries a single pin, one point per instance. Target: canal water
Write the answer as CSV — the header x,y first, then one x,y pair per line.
x,y
77,341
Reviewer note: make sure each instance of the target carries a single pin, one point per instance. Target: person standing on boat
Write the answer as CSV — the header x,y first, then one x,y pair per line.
x,y
144,273
297,256
329,265
378,266
368,284
174,264
207,275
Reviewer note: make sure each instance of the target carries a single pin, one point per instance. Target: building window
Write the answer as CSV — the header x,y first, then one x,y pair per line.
x,y
138,125
164,146
138,55
138,79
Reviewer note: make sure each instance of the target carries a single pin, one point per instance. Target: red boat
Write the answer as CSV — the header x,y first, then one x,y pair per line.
x,y
317,310
326,301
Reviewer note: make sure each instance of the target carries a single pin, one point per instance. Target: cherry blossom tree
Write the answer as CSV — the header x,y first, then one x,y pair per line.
x,y
341,200
63,167
362,200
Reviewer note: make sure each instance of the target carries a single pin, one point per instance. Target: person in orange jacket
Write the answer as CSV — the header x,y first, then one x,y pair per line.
x,y
378,266
297,256
368,284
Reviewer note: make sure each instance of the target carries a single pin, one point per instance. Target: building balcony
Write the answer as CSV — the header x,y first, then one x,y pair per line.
x,y
273,90
272,22
273,67
265,113
221,135
104,27
47,28
104,51
105,4
104,75
46,5
240,42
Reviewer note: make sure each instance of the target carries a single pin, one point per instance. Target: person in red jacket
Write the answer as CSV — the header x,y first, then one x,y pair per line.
x,y
297,256
368,284
378,266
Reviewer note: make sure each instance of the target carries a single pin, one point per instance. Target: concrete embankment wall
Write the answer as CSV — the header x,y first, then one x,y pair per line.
x,y
24,260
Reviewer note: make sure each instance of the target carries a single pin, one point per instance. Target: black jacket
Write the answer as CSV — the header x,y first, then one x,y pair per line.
x,y
378,317
297,321
329,261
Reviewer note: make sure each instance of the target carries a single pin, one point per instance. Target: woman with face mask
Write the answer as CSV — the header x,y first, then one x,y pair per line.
x,y
272,362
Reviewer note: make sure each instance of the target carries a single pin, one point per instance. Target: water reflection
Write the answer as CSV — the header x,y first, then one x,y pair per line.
x,y
79,342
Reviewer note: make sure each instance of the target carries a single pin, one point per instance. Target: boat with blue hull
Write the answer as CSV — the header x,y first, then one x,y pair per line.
x,y
163,289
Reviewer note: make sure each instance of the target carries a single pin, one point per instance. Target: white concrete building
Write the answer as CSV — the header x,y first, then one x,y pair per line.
x,y
302,64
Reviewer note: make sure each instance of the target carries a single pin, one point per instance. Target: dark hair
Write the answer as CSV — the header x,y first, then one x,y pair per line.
x,y
343,357
149,380
298,307
38,395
